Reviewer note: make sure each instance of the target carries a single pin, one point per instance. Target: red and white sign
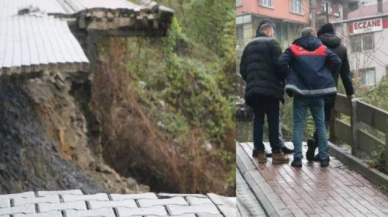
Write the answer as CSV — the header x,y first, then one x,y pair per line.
x,y
365,26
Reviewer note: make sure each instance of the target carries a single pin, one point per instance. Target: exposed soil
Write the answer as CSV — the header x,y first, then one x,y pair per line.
x,y
46,142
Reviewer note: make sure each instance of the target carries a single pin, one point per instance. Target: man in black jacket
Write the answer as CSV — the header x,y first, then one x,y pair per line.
x,y
264,89
333,42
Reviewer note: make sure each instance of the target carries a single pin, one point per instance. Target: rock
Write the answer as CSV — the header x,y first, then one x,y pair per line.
x,y
160,124
162,105
207,146
59,77
142,84
131,183
104,169
144,188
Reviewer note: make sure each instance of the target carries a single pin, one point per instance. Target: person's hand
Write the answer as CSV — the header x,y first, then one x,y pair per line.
x,y
350,97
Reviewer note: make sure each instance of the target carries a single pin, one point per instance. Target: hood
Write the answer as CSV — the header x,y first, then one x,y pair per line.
x,y
309,43
330,40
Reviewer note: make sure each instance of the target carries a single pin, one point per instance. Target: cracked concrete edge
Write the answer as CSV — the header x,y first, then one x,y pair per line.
x,y
264,202
357,164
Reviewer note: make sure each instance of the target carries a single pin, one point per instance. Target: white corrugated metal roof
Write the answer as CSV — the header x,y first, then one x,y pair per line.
x,y
11,7
36,42
32,39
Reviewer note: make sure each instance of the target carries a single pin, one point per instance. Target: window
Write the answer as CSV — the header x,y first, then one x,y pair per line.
x,y
296,6
367,77
359,43
267,3
324,9
238,3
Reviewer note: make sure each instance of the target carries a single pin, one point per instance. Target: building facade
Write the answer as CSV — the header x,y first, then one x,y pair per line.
x,y
366,36
290,16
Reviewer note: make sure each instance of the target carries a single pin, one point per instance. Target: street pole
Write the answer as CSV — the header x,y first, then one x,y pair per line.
x,y
313,8
327,11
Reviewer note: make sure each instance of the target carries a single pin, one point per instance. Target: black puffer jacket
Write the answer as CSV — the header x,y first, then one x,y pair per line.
x,y
334,44
259,68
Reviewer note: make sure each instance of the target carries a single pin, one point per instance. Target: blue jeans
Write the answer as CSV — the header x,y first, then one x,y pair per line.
x,y
269,107
316,106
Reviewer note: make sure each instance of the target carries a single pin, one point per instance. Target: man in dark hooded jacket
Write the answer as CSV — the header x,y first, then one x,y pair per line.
x,y
328,38
264,89
310,78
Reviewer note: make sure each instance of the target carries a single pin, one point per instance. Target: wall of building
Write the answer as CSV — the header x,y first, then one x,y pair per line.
x,y
278,10
374,58
370,2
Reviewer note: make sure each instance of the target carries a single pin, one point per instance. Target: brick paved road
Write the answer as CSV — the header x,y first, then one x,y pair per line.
x,y
310,190
74,203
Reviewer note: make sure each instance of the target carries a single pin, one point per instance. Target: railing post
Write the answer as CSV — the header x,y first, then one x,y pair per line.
x,y
354,124
386,146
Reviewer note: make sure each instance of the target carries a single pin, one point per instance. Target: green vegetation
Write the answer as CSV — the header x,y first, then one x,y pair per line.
x,y
170,101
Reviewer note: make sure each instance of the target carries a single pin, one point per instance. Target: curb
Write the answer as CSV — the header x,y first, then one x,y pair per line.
x,y
249,173
357,164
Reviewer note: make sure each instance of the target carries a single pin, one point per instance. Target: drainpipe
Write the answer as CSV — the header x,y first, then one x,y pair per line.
x,y
345,8
379,6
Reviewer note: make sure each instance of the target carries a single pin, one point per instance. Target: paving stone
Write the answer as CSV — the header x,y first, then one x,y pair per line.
x,y
26,209
111,204
77,205
47,199
228,211
98,197
106,212
164,195
67,192
220,200
5,203
198,200
204,208
155,210
210,215
186,215
18,195
47,214
162,202
133,196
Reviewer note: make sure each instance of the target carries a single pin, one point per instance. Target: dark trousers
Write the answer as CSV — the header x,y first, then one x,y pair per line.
x,y
269,107
329,107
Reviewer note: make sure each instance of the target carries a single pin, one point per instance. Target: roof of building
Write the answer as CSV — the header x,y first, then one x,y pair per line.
x,y
33,37
31,42
366,11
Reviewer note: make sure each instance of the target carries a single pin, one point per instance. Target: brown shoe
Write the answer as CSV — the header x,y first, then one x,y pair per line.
x,y
279,158
261,157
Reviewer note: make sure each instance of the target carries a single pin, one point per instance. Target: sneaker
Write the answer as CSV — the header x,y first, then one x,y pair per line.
x,y
325,162
311,146
297,162
287,150
261,157
279,158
